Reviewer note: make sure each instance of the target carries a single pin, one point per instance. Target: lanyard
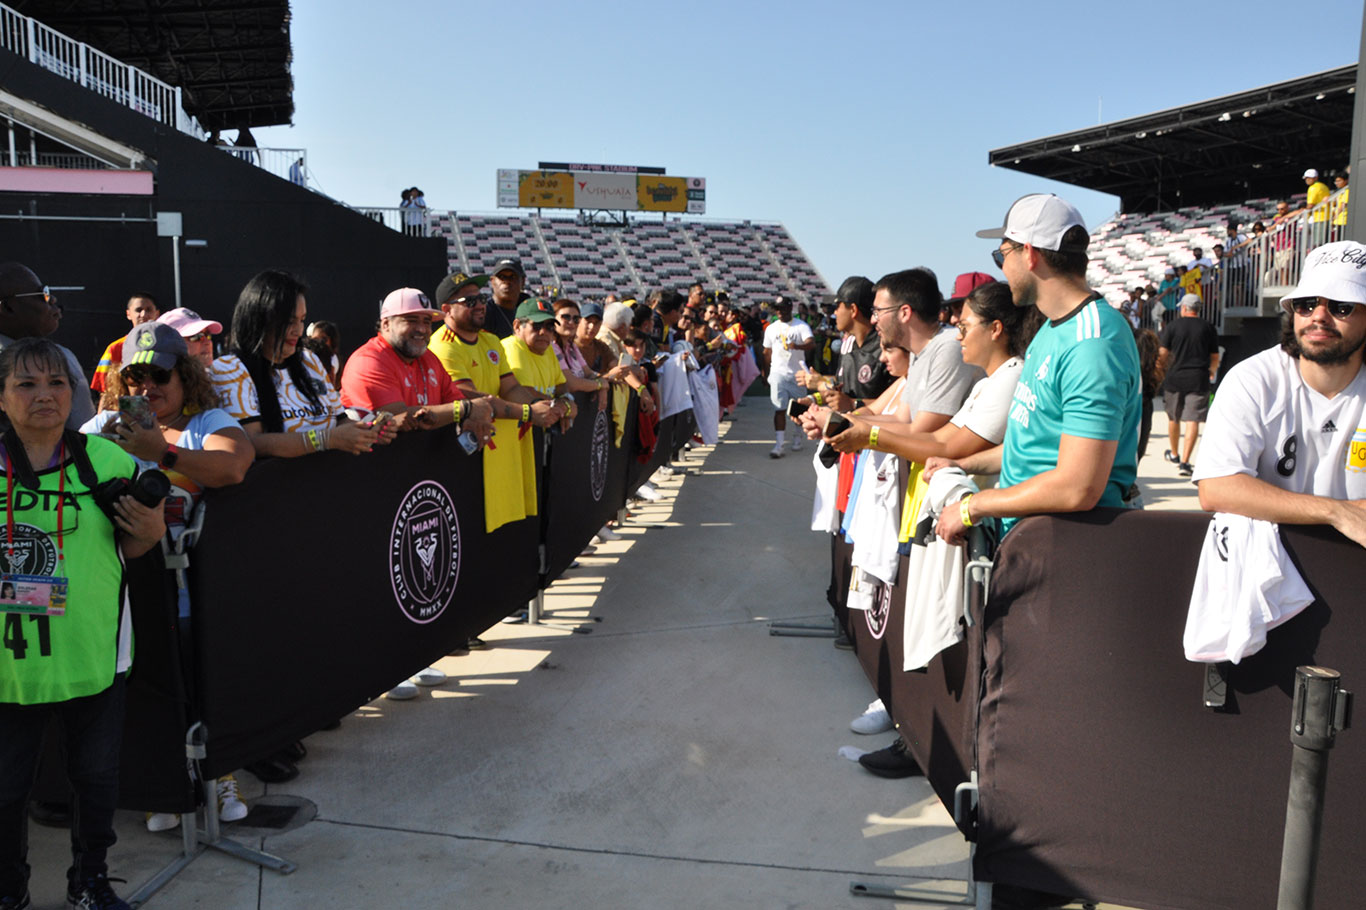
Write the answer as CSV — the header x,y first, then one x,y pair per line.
x,y
9,504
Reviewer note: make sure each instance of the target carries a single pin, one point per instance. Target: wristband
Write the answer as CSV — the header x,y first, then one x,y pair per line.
x,y
872,438
818,398
462,412
311,441
964,512
526,414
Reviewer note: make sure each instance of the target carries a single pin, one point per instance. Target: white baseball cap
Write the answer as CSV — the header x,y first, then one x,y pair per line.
x,y
1311,173
1040,220
1336,271
1190,302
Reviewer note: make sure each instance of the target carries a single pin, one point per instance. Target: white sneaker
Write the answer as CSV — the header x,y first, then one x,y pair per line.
x,y
776,451
162,821
605,533
647,492
402,692
428,677
797,443
664,471
230,805
874,719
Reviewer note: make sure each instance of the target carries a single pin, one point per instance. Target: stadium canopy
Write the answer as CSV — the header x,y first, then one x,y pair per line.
x,y
231,59
1247,145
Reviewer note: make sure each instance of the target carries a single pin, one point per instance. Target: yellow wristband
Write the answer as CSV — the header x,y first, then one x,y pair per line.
x,y
526,413
817,398
872,438
964,512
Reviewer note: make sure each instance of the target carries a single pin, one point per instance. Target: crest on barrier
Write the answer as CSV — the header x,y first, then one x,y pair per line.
x,y
876,616
424,552
597,456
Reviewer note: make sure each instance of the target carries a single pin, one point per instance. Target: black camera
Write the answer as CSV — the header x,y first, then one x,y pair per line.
x,y
149,488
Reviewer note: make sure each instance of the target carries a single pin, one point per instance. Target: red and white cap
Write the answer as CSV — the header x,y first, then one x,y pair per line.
x,y
1336,271
1039,220
405,301
189,323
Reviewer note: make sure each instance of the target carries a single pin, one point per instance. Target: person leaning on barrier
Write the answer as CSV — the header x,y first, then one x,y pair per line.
x,y
1285,440
596,355
580,376
533,363
276,391
196,444
67,654
29,309
476,361
394,372
860,376
1072,439
616,328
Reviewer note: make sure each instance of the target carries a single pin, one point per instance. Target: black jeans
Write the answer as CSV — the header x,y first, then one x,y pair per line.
x,y
93,727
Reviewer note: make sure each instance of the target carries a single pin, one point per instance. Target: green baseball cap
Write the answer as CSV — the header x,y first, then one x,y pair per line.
x,y
536,309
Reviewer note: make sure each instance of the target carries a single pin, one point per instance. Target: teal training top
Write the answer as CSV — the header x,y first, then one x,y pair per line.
x,y
50,659
1080,377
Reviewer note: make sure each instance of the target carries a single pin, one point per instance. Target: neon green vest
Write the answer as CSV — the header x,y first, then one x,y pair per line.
x,y
49,659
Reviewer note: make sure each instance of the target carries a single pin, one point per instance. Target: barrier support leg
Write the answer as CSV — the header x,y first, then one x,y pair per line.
x,y
1319,711
535,609
195,840
795,629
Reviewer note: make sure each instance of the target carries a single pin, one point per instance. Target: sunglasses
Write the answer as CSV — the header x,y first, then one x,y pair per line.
x,y
472,300
141,372
1304,306
999,255
568,318
202,336
45,293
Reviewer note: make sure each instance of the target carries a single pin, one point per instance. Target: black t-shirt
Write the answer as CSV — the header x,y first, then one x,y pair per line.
x,y
861,373
1191,340
497,320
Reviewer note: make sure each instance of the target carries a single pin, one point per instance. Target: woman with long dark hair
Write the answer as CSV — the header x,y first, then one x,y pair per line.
x,y
274,387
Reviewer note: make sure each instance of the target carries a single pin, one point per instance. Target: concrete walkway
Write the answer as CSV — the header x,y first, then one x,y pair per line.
x,y
675,756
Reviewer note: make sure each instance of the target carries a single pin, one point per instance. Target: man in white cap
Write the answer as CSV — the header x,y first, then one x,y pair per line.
x,y
1318,217
1071,442
1286,440
395,372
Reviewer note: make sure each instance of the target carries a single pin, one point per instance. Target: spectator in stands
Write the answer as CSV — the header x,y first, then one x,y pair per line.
x,y
475,359
296,173
1189,358
395,372
245,146
1191,279
197,331
1199,260
1317,193
414,207
993,334
1340,207
507,281
1132,307
1280,444
785,341
79,684
197,445
1169,292
29,309
278,392
140,308
327,338
1072,440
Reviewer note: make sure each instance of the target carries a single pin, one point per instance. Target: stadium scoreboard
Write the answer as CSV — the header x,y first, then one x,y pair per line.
x,y
611,187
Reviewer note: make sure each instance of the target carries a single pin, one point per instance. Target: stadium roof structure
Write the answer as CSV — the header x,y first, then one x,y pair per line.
x,y
231,59
1246,145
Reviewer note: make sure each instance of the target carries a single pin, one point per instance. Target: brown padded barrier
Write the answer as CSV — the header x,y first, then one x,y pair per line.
x,y
1102,773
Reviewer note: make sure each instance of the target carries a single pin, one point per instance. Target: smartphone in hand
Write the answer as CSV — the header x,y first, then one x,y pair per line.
x,y
136,410
796,408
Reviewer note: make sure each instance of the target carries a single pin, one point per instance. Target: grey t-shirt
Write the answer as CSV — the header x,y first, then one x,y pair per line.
x,y
82,407
938,380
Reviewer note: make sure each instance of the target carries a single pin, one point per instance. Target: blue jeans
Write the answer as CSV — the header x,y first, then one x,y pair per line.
x,y
93,728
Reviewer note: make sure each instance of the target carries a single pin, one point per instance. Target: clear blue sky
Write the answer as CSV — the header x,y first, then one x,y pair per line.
x,y
863,127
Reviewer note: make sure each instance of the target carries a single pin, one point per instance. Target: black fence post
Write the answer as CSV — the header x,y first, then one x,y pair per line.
x,y
1318,713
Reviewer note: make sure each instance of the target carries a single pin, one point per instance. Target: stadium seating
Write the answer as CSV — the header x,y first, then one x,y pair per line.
x,y
751,261
1130,250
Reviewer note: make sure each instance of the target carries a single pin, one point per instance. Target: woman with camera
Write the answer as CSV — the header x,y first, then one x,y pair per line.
x,y
67,646
161,408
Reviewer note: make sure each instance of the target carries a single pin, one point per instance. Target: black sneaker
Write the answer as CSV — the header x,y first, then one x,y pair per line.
x,y
843,642
1185,469
50,814
1170,457
95,894
14,903
895,761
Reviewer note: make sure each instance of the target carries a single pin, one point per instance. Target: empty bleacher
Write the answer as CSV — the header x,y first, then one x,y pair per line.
x,y
751,261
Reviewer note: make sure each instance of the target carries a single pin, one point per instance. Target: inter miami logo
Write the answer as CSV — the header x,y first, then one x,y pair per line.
x,y
1220,541
597,456
424,552
876,615
865,372
34,553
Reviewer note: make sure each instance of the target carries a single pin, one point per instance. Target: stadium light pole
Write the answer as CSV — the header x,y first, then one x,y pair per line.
x,y
1356,220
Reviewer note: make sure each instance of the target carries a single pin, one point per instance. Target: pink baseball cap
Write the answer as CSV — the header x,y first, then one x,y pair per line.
x,y
405,301
187,322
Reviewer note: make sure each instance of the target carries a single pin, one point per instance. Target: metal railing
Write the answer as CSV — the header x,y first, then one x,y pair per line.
x,y
97,71
73,161
415,222
287,164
